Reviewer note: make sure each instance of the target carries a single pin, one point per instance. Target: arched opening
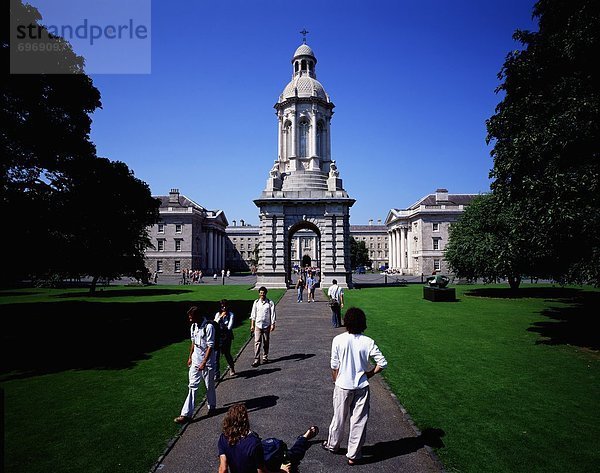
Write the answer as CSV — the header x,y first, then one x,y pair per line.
x,y
306,261
304,249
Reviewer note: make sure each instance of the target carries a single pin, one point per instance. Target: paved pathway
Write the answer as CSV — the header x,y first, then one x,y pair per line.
x,y
293,392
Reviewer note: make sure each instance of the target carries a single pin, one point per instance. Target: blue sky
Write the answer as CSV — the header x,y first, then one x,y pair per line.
x,y
412,81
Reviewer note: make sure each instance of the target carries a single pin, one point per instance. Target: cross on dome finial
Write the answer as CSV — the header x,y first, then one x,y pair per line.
x,y
304,33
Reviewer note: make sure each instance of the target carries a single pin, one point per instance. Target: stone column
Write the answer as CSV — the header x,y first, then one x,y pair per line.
x,y
210,250
402,248
397,247
294,150
390,250
328,145
280,137
313,133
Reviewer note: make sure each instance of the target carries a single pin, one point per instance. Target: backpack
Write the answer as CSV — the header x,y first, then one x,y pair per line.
x,y
275,453
217,331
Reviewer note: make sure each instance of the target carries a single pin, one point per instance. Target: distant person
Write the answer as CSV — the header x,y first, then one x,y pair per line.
x,y
228,273
242,451
300,287
311,284
215,276
262,323
225,318
351,370
155,277
201,363
336,303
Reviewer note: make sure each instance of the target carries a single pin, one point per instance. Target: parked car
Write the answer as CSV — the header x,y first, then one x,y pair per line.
x,y
360,270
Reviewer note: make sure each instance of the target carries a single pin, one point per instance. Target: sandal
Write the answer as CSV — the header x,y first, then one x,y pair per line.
x,y
312,432
325,447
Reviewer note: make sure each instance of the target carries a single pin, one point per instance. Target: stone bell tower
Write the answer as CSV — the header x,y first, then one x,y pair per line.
x,y
304,189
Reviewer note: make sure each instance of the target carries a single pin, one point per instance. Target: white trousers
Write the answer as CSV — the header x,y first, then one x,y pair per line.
x,y
353,403
195,377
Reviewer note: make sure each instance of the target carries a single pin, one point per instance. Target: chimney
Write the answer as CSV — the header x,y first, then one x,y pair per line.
x,y
242,222
441,195
378,221
174,196
370,221
234,223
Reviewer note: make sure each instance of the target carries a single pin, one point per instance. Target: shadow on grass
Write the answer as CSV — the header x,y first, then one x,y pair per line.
x,y
395,448
574,324
42,338
571,323
100,294
525,292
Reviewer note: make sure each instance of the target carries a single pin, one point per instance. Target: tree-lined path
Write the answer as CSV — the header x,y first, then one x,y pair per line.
x,y
293,391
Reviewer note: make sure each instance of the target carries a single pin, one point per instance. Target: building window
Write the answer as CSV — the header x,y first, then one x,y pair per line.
x,y
161,228
242,246
303,138
177,266
161,245
436,243
159,265
370,245
436,265
321,139
436,227
178,227
378,245
177,245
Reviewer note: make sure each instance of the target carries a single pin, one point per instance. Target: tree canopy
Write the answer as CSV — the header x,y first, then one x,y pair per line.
x,y
487,244
72,212
359,254
546,136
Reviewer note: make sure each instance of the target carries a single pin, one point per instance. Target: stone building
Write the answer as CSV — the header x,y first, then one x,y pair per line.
x,y
242,240
375,237
187,236
418,234
304,190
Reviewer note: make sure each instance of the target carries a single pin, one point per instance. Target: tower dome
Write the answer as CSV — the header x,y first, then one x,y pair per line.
x,y
304,83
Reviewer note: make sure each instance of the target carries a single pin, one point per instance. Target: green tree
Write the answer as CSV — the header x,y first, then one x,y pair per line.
x,y
359,254
546,135
105,220
74,213
488,243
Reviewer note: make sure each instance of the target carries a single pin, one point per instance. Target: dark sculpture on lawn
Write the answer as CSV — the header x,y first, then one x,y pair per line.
x,y
438,280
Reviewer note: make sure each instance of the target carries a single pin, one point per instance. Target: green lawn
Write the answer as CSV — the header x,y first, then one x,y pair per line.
x,y
108,403
513,382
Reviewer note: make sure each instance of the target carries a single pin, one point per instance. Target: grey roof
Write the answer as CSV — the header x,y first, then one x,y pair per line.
x,y
182,202
453,199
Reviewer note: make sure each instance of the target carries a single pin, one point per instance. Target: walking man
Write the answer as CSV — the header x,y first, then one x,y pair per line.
x,y
311,283
262,323
336,302
201,364
351,370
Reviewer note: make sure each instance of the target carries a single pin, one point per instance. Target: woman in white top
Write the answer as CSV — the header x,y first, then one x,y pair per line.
x,y
225,319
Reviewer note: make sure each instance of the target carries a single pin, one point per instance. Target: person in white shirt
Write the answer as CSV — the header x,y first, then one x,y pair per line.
x,y
262,323
336,302
201,363
351,370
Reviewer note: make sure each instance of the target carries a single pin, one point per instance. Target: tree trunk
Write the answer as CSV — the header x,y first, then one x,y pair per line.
x,y
514,282
93,285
